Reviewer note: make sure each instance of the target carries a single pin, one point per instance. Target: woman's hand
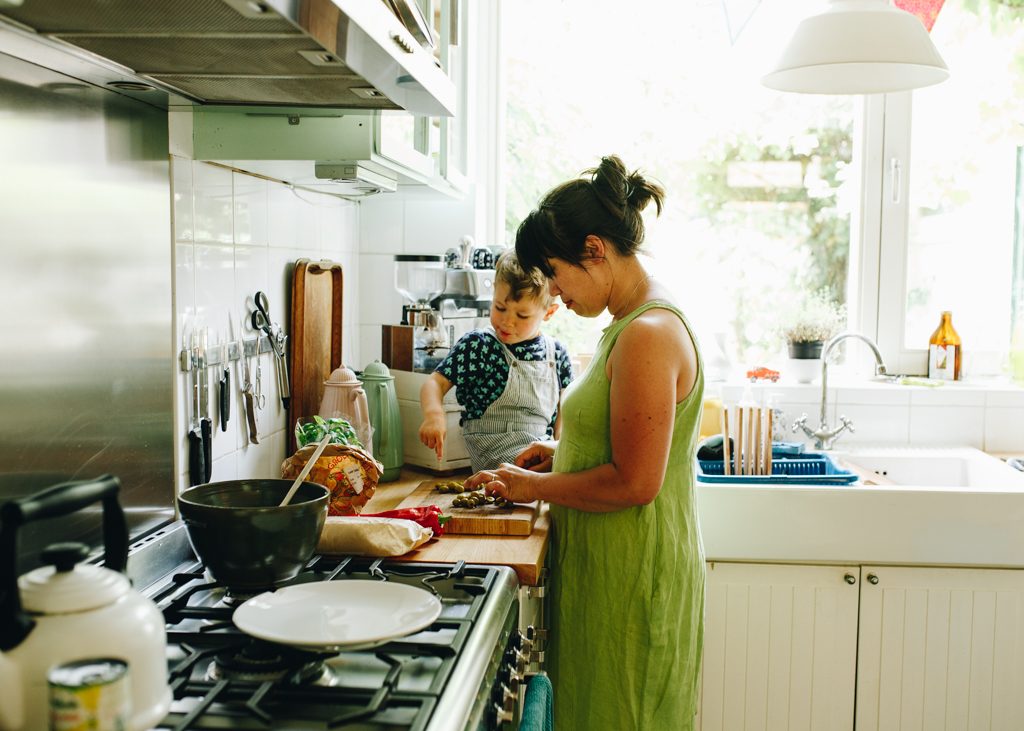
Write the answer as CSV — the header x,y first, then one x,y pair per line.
x,y
508,481
537,457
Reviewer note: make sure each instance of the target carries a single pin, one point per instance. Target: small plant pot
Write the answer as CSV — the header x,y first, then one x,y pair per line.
x,y
807,350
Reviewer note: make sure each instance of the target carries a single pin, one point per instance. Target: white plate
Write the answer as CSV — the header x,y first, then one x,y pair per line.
x,y
335,615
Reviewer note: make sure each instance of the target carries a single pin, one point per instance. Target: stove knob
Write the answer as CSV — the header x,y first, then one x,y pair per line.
x,y
502,715
521,661
510,678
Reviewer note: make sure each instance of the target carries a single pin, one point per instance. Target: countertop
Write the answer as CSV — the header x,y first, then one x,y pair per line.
x,y
525,554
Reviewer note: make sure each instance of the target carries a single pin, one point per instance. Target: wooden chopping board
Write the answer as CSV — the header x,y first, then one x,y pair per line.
x,y
483,520
315,336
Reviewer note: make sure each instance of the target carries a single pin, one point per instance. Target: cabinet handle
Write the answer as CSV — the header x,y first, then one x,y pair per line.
x,y
850,579
872,579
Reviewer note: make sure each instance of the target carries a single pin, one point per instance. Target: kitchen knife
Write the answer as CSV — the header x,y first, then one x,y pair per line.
x,y
196,456
225,398
248,399
205,425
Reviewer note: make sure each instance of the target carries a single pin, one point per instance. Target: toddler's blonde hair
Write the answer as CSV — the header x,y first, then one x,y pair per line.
x,y
522,283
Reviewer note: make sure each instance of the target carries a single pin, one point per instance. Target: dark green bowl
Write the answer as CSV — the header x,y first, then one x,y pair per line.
x,y
243,535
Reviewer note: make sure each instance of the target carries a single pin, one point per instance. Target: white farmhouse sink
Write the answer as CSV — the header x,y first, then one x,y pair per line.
x,y
941,467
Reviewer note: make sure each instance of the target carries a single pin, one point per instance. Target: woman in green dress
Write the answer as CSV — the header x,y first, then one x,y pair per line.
x,y
627,565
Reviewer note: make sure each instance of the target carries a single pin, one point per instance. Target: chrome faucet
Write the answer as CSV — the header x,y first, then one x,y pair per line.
x,y
825,437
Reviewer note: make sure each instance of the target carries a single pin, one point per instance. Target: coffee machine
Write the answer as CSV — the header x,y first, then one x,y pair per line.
x,y
420,279
465,301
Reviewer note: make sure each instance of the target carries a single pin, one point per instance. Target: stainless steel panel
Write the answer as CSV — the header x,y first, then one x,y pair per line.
x,y
85,290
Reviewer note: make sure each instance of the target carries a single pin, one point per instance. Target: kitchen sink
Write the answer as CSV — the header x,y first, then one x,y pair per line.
x,y
942,467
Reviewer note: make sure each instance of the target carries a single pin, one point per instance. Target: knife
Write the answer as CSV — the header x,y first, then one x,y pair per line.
x,y
248,399
205,425
196,456
225,398
225,380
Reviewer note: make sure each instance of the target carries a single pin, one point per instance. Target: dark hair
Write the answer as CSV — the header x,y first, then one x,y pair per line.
x,y
521,282
608,204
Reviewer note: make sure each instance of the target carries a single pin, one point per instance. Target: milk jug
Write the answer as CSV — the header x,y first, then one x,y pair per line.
x,y
382,400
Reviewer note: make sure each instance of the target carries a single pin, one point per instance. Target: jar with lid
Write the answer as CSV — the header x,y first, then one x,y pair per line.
x,y
945,350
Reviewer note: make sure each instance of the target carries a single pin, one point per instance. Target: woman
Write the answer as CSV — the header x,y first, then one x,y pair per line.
x,y
627,586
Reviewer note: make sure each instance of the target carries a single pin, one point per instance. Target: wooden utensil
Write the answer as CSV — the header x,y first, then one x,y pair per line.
x,y
321,445
726,456
315,335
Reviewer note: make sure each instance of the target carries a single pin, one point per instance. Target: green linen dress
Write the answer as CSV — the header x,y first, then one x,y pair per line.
x,y
627,587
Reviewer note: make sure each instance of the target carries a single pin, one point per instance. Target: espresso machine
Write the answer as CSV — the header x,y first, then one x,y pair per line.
x,y
465,301
420,279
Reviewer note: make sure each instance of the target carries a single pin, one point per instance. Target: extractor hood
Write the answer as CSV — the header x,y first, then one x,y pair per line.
x,y
353,54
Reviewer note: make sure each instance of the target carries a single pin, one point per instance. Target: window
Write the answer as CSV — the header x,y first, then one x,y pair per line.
x,y
774,196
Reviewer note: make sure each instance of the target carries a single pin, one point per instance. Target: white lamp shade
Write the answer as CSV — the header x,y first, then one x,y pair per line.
x,y
858,47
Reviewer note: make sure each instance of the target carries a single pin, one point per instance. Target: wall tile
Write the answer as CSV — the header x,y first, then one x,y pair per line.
x,y
432,226
382,224
1006,398
882,396
369,344
283,222
946,396
1004,430
250,210
214,216
875,424
948,425
379,302
182,196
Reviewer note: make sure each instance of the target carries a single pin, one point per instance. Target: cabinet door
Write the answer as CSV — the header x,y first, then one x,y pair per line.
x,y
941,649
780,648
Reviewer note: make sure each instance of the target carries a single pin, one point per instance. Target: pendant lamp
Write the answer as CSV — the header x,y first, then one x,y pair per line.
x,y
858,47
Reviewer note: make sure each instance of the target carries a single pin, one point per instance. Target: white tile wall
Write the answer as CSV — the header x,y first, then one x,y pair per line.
x,y
984,417
237,234
412,221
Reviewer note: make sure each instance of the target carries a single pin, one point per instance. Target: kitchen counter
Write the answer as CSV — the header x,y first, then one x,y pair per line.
x,y
524,554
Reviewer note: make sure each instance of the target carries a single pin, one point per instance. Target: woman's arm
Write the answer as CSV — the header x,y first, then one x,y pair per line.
x,y
652,367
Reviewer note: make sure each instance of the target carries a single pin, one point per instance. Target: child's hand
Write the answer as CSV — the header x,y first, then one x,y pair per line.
x,y
432,433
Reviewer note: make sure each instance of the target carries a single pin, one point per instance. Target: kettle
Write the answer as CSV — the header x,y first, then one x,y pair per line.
x,y
345,398
69,611
385,417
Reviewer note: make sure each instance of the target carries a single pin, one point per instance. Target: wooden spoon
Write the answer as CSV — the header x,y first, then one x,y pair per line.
x,y
309,466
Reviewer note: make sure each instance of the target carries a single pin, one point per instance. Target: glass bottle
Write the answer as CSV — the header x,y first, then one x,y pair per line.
x,y
945,351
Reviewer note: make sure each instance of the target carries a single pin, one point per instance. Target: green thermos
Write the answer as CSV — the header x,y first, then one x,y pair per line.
x,y
382,400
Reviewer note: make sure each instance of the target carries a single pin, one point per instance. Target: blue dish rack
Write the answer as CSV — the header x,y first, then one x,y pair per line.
x,y
813,468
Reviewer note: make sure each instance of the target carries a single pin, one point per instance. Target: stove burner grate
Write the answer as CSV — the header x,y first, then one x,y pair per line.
x,y
258,661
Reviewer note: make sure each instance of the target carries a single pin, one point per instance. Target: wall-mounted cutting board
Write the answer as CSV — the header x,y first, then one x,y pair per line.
x,y
315,336
483,520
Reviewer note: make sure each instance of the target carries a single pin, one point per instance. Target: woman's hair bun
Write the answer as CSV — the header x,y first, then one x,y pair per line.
x,y
618,189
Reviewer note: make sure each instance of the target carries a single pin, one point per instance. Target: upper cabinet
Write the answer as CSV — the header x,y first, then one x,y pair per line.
x,y
435,147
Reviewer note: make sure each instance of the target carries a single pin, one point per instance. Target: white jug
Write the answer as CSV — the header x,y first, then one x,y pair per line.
x,y
72,611
345,398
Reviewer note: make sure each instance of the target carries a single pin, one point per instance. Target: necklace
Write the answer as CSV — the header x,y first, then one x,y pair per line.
x,y
633,293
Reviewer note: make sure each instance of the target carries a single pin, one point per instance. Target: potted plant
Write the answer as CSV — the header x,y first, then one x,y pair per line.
x,y
816,319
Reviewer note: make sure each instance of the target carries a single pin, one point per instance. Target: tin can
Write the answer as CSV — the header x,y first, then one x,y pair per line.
x,y
90,695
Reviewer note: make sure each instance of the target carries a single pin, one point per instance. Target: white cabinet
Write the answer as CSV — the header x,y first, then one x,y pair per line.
x,y
871,648
780,648
940,649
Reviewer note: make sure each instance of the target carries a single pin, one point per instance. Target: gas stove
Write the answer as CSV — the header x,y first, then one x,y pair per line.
x,y
461,672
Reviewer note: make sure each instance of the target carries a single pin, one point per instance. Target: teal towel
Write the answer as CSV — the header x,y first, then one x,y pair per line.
x,y
537,710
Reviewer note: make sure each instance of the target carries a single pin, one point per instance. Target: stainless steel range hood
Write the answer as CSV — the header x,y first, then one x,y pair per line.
x,y
314,53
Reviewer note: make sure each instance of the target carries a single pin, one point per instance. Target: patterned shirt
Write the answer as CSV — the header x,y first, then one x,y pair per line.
x,y
477,368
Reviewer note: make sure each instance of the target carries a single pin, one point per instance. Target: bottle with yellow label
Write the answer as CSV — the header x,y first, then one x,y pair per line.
x,y
945,351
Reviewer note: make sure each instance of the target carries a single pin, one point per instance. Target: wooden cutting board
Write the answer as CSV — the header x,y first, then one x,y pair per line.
x,y
483,520
315,336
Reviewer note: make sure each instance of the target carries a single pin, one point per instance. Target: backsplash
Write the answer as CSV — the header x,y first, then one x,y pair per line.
x,y
236,234
989,418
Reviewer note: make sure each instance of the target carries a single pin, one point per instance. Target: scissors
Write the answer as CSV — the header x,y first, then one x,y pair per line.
x,y
261,321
